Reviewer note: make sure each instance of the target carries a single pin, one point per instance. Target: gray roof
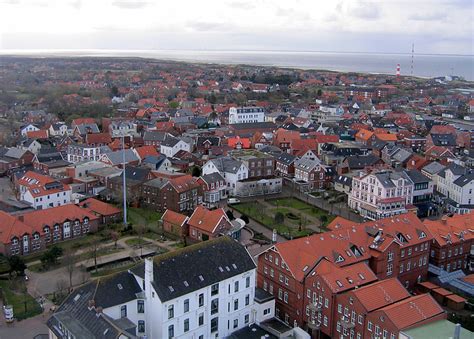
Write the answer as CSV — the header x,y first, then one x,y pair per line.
x,y
417,177
343,179
387,178
443,139
154,136
286,158
402,155
83,321
454,168
307,164
433,167
87,128
15,153
192,268
170,141
227,164
117,157
464,179
212,178
213,141
362,161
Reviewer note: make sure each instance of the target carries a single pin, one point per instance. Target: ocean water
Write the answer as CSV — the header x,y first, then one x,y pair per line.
x,y
424,65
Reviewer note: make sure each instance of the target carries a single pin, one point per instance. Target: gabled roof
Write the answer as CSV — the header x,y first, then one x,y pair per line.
x,y
207,220
194,267
286,158
174,218
453,229
146,151
380,294
11,226
99,207
116,158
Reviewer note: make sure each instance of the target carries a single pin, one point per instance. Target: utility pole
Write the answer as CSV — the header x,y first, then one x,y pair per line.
x,y
124,184
412,56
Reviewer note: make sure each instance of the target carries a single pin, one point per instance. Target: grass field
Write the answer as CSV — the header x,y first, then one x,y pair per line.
x,y
19,299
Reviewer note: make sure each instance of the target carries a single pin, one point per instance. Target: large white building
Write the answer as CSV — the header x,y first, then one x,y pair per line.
x,y
232,170
203,291
79,152
381,194
245,115
456,183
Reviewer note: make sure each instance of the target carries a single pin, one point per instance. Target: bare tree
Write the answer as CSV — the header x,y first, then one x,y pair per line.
x,y
140,231
95,245
69,260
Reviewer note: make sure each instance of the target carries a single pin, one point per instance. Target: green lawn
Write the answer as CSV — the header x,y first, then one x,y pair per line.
x,y
18,300
300,205
143,217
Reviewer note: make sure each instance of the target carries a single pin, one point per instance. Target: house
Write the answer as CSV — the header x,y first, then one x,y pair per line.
x,y
422,187
118,158
146,151
207,224
160,162
180,194
154,138
285,165
381,194
175,223
14,157
28,128
34,231
47,163
205,143
360,163
245,115
232,170
42,192
32,145
456,183
107,213
214,188
119,129
431,169
343,183
83,152
172,145
239,143
312,174
82,130
98,139
58,129
442,140
452,241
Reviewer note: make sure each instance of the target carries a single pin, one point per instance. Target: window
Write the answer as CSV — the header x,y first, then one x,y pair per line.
x,y
186,305
236,304
325,321
285,297
123,311
170,312
247,282
326,302
389,269
286,281
236,286
170,331
236,323
214,289
186,325
214,324
201,319
369,326
140,306
247,299
214,306
401,268
339,308
408,265
141,326
280,294
360,319
201,300
246,319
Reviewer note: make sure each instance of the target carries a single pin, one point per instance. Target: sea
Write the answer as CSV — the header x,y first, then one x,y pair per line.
x,y
423,65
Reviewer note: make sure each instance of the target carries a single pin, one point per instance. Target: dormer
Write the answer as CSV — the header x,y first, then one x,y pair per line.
x,y
401,238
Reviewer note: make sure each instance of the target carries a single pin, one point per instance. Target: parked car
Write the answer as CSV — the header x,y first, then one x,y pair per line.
x,y
231,201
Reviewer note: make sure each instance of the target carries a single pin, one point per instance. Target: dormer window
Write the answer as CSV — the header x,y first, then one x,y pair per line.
x,y
15,241
422,235
339,259
401,238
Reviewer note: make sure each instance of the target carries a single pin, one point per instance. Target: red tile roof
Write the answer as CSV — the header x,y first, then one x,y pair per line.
x,y
381,294
363,134
206,220
40,134
11,226
234,141
146,151
450,228
174,218
98,207
35,184
98,138
411,311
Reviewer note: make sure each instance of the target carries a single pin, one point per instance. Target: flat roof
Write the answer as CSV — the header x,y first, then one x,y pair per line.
x,y
441,329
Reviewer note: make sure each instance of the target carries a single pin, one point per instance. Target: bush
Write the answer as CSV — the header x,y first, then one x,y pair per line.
x,y
279,218
245,218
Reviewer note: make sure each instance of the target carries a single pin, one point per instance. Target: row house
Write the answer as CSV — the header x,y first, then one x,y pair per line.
x,y
456,183
230,169
207,224
259,164
154,138
396,247
312,174
453,242
83,152
42,192
285,165
34,231
381,194
181,194
172,145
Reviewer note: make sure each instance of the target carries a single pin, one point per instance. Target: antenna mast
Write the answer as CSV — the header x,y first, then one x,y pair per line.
x,y
124,183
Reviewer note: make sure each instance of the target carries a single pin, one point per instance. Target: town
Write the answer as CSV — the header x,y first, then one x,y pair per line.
x,y
143,198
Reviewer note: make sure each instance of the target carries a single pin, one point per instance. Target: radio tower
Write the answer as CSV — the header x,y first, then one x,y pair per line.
x,y
398,71
412,56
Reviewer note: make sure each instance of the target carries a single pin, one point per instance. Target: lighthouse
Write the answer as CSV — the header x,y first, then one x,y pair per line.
x,y
398,71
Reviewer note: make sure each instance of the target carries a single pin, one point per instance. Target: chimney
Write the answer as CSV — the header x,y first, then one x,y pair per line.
x,y
148,271
21,218
444,219
91,304
98,310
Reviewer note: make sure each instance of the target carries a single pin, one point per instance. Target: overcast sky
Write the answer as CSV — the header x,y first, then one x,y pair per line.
x,y
435,26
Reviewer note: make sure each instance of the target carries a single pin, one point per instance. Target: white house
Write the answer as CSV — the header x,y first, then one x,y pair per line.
x,y
58,129
203,291
171,145
122,128
80,152
381,194
42,192
232,170
456,183
240,115
28,128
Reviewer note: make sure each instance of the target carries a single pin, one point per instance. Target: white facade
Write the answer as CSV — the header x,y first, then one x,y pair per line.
x,y
45,200
458,189
79,153
170,151
231,177
194,315
60,130
377,196
28,128
245,115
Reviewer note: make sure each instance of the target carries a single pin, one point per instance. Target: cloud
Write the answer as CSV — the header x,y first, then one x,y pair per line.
x,y
438,16
130,4
244,5
202,26
365,10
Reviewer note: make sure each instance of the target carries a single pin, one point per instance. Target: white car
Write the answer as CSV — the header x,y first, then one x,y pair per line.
x,y
231,201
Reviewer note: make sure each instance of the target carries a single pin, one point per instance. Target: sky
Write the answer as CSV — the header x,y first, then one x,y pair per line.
x,y
386,26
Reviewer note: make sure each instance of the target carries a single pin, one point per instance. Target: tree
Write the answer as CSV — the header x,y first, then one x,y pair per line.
x,y
94,245
196,172
245,218
323,218
319,93
115,236
279,218
17,265
173,104
51,256
69,260
230,215
114,92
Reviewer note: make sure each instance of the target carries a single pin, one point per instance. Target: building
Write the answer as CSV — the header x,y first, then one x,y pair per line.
x,y
42,192
381,194
107,213
175,223
456,183
232,170
171,145
312,174
180,194
34,231
207,224
245,115
453,241
214,188
259,164
285,165
11,158
84,152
